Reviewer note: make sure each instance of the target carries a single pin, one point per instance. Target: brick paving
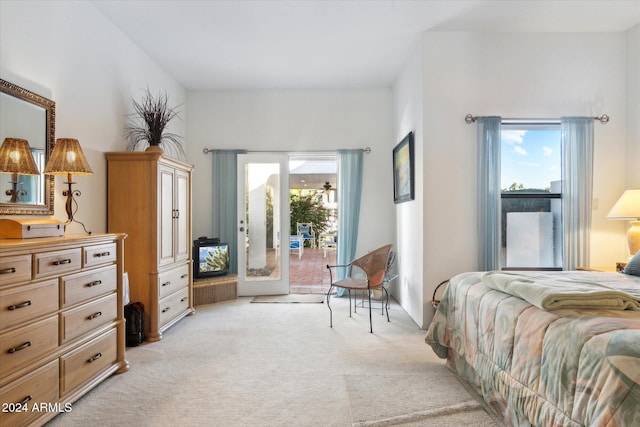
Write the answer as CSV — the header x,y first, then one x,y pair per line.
x,y
309,275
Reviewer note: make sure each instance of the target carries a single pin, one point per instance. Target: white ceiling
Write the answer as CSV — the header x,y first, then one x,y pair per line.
x,y
316,44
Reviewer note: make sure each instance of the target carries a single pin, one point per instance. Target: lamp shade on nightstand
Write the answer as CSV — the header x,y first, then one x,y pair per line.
x,y
16,159
67,158
628,208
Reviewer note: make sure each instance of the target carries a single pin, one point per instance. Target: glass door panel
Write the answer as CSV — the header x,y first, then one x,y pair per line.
x,y
263,210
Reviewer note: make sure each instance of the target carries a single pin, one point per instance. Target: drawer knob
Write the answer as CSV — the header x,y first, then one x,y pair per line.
x,y
20,347
92,284
184,275
94,358
8,270
166,283
25,400
184,299
94,315
17,306
101,254
62,261
166,309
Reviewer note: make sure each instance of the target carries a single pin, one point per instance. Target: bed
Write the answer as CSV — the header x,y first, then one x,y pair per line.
x,y
543,348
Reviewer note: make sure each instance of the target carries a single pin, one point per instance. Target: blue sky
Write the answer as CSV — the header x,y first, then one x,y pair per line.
x,y
530,157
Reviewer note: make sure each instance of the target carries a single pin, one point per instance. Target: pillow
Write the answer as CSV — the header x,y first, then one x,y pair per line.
x,y
633,266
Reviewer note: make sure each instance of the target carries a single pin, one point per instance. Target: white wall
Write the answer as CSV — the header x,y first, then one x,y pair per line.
x,y
70,53
633,108
512,75
408,289
73,55
297,121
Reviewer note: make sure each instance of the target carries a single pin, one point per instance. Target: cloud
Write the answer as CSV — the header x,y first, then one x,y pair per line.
x,y
513,136
547,151
530,164
519,150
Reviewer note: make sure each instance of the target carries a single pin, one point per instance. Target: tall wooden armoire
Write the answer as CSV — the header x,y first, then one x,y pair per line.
x,y
149,199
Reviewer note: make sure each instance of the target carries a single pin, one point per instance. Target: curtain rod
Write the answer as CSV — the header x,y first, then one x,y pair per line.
x,y
604,119
367,150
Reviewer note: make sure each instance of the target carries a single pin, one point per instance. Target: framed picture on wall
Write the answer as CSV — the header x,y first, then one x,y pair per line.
x,y
403,170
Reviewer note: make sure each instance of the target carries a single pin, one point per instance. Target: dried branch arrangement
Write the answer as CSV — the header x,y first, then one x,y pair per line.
x,y
147,124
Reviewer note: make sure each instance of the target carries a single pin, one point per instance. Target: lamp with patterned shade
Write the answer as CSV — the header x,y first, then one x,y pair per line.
x,y
67,158
16,159
628,207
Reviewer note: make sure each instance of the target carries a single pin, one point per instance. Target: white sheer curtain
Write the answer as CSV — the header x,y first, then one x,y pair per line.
x,y
349,195
488,192
577,189
225,201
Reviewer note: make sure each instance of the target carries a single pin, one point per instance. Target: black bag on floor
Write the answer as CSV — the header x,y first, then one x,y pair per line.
x,y
134,321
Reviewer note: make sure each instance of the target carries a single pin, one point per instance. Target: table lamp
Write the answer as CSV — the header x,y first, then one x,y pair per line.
x,y
628,208
16,159
67,158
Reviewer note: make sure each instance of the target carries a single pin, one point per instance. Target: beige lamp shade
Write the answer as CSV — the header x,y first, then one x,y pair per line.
x,y
628,208
66,158
16,157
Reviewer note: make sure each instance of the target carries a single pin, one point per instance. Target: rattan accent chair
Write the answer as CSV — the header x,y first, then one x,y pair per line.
x,y
366,274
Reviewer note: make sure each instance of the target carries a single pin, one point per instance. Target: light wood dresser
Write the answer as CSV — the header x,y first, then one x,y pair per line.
x,y
62,328
149,199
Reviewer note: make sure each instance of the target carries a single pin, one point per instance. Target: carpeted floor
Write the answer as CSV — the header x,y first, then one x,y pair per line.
x,y
430,398
243,364
290,298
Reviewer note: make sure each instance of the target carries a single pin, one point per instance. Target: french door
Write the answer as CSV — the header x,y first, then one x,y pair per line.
x,y
263,224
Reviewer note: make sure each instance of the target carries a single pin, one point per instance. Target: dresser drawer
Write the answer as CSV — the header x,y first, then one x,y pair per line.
x,y
173,305
19,305
14,269
87,361
99,254
56,262
87,285
172,280
36,387
24,345
78,321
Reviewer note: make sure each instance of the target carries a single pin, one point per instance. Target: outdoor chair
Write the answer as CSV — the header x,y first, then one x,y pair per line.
x,y
305,229
326,241
367,274
296,244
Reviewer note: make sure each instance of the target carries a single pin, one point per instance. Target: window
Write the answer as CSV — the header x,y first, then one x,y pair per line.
x,y
531,196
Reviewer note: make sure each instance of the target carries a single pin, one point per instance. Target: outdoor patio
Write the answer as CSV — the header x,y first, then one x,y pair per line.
x,y
309,274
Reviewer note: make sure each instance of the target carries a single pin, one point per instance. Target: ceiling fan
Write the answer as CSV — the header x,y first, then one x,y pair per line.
x,y
326,188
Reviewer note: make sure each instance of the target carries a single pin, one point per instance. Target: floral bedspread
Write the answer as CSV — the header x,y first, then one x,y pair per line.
x,y
567,367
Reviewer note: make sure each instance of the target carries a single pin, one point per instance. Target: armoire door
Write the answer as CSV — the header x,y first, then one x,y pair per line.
x,y
166,215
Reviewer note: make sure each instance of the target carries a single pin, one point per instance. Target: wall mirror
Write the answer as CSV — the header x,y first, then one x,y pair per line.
x,y
25,115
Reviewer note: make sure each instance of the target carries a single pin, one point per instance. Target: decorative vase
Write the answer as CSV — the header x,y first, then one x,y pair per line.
x,y
155,149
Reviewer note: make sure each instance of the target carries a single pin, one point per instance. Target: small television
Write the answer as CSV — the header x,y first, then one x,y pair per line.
x,y
210,257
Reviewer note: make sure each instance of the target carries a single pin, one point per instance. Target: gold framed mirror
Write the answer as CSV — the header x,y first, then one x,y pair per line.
x,y
26,115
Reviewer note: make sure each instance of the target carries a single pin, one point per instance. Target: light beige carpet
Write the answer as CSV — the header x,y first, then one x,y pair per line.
x,y
290,298
425,399
241,364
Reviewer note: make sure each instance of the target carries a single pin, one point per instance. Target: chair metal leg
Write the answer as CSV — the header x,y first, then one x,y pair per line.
x,y
328,305
370,320
329,295
386,305
349,291
355,301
